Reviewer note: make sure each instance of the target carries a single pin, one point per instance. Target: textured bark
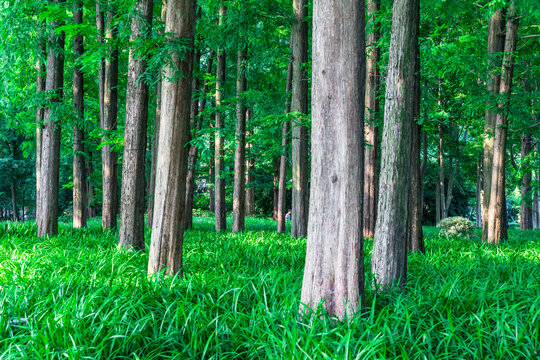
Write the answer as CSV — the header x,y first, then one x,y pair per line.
x,y
155,137
109,158
299,105
219,207
495,44
389,257
239,208
194,151
497,229
79,166
40,111
90,185
47,212
131,234
250,176
371,114
168,225
415,241
282,191
334,271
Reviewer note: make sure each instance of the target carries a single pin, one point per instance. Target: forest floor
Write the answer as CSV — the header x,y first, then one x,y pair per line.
x,y
75,295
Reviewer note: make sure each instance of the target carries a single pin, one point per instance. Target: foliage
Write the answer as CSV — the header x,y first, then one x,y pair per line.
x,y
456,226
76,296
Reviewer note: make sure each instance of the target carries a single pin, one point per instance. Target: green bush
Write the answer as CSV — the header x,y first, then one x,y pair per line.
x,y
456,226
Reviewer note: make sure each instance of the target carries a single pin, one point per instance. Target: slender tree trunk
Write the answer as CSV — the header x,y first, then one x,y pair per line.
x,y
495,46
239,209
40,111
416,234
371,114
250,168
109,157
79,166
168,225
275,187
442,201
334,271
536,200
14,200
497,229
194,151
155,136
282,191
212,163
47,213
220,210
437,202
526,208
300,191
479,195
90,185
132,211
389,257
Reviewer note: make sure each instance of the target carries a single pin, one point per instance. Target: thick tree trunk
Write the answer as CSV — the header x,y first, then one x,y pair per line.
x,y
334,271
109,157
132,211
168,224
40,111
415,241
220,210
250,168
194,151
389,257
79,166
299,105
90,185
526,215
47,212
495,44
371,114
239,209
497,228
155,137
282,191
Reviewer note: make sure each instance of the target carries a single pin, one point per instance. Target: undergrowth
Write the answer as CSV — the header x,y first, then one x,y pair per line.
x,y
75,295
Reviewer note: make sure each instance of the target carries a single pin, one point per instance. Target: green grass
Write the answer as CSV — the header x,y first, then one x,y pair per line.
x,y
82,298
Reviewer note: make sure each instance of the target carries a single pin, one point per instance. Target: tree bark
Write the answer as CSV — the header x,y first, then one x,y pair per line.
x,y
212,163
334,271
250,168
168,225
299,106
371,114
90,185
239,208
155,136
40,111
479,195
442,201
526,222
389,257
220,210
79,166
497,229
275,187
131,234
47,212
109,157
282,191
495,44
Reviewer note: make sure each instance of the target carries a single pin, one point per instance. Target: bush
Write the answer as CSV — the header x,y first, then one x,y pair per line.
x,y
456,226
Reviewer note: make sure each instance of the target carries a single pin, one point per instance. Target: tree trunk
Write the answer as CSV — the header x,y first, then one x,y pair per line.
x,y
437,202
497,229
299,106
282,191
220,210
14,200
495,44
168,225
371,114
132,205
442,201
334,271
47,213
536,200
90,186
212,163
275,187
155,136
389,257
239,209
40,111
109,157
79,166
479,195
194,151
526,222
250,176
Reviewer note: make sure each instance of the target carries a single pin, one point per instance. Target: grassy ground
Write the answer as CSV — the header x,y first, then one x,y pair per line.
x,y
76,296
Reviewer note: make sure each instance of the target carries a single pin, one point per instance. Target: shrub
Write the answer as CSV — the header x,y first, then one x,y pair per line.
x,y
456,226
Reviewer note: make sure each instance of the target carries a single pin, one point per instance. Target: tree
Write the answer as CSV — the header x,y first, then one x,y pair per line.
x,y
168,225
299,106
132,204
47,209
334,273
497,229
389,257
79,164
